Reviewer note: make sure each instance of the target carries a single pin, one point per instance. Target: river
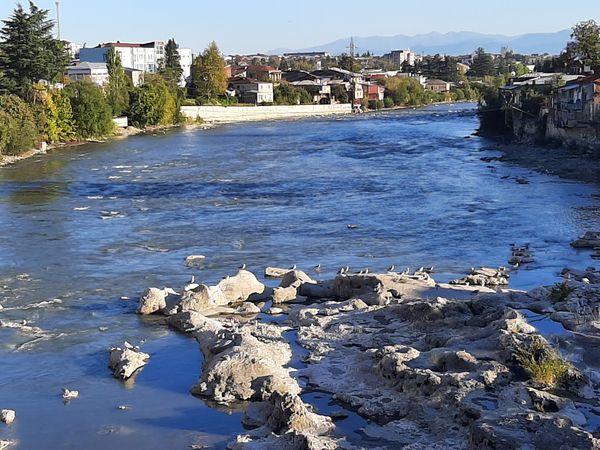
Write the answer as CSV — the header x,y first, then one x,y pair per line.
x,y
82,228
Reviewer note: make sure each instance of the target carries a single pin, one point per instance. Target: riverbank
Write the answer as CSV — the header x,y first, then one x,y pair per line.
x,y
425,363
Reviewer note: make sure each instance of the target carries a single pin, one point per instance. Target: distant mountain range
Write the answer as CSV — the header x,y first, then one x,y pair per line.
x,y
454,43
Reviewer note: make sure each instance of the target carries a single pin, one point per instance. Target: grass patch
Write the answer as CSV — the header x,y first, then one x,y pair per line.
x,y
542,363
560,292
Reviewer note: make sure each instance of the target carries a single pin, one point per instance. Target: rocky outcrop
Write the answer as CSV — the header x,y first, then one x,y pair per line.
x,y
591,239
484,277
126,360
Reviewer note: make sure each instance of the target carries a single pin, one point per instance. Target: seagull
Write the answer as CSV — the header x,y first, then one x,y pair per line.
x,y
428,269
293,267
69,394
366,271
406,271
391,268
317,268
243,267
342,271
191,285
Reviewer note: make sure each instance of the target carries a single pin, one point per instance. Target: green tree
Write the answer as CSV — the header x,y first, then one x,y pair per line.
x,y
288,94
118,86
585,44
340,93
18,130
91,111
209,79
483,64
156,102
55,114
172,65
28,51
347,62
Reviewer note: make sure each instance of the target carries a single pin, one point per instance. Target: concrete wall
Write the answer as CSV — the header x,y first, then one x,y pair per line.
x,y
253,113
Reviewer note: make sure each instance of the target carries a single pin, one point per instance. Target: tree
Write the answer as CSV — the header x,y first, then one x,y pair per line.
x,y
91,111
118,86
288,94
209,79
483,64
58,125
18,130
28,51
347,62
156,102
172,64
585,44
340,93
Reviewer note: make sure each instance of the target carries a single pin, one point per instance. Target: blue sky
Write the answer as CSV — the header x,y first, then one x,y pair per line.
x,y
260,25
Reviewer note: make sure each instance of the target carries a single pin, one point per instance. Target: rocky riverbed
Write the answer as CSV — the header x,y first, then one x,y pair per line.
x,y
429,365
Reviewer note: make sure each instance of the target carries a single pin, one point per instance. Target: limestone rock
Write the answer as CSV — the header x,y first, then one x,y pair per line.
x,y
284,413
239,288
7,416
243,364
127,360
248,308
275,272
295,278
284,294
153,300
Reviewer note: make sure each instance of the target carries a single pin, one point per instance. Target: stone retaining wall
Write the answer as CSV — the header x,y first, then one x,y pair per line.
x,y
252,113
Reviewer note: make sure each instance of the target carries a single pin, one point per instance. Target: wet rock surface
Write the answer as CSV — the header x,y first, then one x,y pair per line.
x,y
429,365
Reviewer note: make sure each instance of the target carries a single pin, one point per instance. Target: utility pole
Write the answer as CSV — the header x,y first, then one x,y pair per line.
x,y
352,47
58,19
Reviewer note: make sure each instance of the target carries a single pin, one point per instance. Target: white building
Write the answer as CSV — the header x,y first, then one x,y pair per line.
x,y
399,57
96,72
145,57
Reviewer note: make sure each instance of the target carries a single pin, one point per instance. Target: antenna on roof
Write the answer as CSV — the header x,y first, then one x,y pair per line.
x,y
58,19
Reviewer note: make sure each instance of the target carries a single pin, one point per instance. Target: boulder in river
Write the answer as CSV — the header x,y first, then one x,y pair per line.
x,y
240,287
153,300
7,416
126,360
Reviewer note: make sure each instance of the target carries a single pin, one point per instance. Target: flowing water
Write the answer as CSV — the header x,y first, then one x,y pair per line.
x,y
83,227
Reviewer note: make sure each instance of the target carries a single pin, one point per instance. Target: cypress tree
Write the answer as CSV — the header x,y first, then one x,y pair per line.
x,y
28,51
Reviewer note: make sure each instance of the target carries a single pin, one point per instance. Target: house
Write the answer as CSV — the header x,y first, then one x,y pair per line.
x,y
263,73
320,93
335,73
436,85
135,76
292,76
374,91
306,55
251,91
462,68
578,103
95,72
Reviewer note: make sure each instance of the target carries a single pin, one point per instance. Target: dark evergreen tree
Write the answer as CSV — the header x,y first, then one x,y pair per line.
x,y
483,64
172,63
28,51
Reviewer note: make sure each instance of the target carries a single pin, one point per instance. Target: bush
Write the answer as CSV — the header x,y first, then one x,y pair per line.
x,y
542,363
376,104
18,130
388,102
59,125
91,112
